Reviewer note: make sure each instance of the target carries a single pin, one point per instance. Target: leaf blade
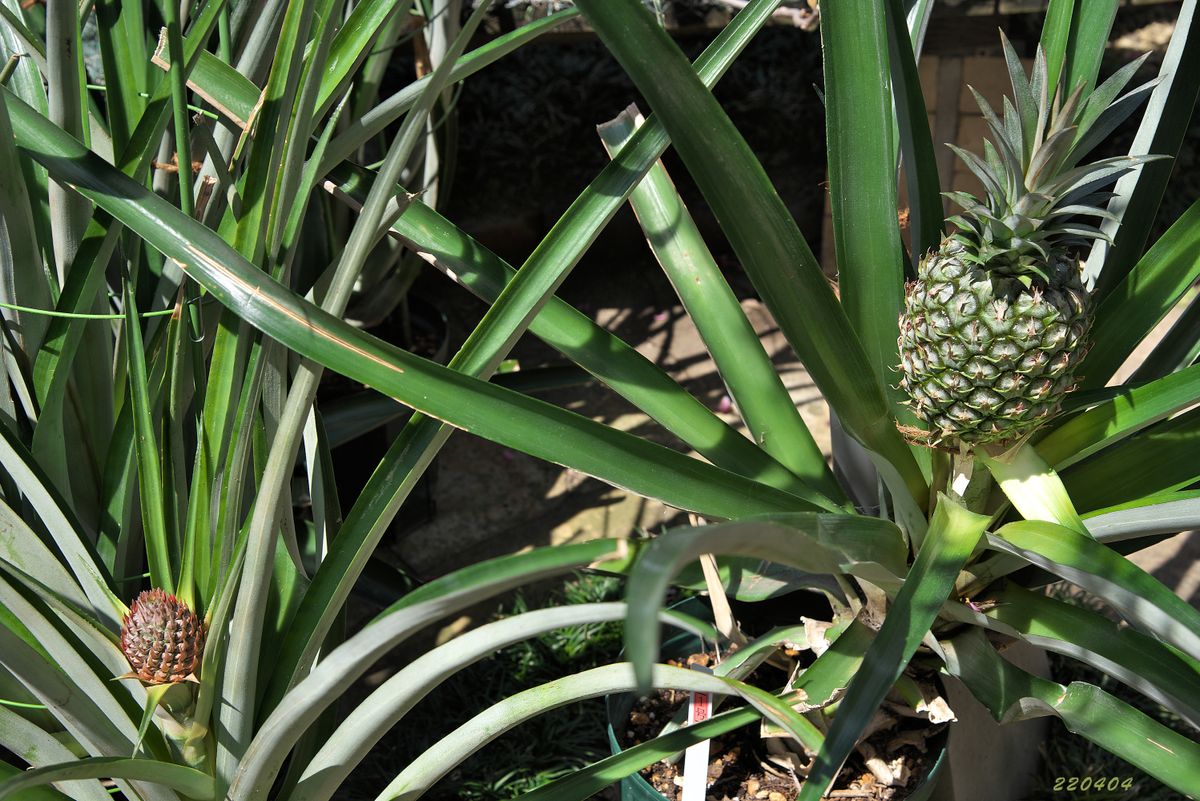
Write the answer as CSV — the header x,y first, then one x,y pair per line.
x,y
758,225
464,402
1112,724
1138,596
862,177
771,416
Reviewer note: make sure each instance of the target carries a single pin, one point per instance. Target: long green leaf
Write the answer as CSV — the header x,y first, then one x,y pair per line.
x,y
1160,459
69,212
121,30
1164,125
184,358
1090,26
1056,37
758,225
350,48
235,433
862,177
1136,659
1131,310
1120,417
188,781
511,419
952,536
926,212
338,670
146,444
179,107
1178,348
438,760
770,414
1139,597
1162,517
1011,694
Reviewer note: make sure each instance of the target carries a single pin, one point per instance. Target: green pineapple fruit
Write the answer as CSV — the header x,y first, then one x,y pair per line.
x,y
997,321
162,638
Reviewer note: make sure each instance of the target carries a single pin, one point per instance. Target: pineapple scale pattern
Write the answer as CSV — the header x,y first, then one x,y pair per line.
x,y
162,638
982,364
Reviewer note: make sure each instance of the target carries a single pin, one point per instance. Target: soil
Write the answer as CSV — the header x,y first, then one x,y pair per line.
x,y
737,769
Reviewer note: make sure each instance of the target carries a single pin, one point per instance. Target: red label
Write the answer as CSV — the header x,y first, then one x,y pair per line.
x,y
700,707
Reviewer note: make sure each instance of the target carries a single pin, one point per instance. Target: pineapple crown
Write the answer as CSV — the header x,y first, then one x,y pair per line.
x,y
1035,188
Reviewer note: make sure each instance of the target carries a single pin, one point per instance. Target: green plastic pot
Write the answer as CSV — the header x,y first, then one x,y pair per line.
x,y
681,644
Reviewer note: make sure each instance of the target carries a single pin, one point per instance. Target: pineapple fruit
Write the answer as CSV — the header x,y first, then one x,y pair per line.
x,y
998,319
162,638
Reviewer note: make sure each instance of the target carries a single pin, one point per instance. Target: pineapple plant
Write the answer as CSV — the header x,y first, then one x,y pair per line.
x,y
269,717
997,321
162,638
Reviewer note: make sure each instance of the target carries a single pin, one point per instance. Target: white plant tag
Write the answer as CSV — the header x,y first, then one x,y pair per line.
x,y
695,758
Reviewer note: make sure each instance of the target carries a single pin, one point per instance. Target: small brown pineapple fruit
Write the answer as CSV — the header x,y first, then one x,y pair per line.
x,y
162,638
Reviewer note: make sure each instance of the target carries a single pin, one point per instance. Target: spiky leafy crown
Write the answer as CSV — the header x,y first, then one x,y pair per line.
x,y
1035,190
